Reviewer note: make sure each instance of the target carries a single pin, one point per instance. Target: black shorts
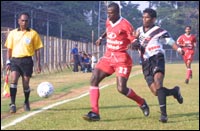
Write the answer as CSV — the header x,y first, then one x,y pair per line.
x,y
22,65
153,65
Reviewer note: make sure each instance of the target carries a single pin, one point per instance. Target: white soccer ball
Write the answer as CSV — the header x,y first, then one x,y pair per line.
x,y
45,89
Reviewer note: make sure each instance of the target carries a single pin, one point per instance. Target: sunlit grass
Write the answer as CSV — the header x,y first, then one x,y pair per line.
x,y
117,112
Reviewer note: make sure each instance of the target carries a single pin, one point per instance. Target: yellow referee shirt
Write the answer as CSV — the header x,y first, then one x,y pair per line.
x,y
23,43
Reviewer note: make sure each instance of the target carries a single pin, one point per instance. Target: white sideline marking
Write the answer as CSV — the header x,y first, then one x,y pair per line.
x,y
14,122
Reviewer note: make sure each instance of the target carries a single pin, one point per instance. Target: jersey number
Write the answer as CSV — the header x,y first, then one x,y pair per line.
x,y
123,70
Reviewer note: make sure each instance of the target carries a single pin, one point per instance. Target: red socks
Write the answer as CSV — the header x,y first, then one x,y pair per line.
x,y
94,98
132,95
188,73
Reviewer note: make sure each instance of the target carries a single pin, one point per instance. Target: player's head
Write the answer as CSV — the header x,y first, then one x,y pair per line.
x,y
23,19
113,12
149,17
188,29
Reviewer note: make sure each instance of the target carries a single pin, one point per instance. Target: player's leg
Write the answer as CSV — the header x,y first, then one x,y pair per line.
x,y
153,70
162,93
123,70
94,92
158,65
15,74
157,89
188,57
128,92
26,88
101,71
188,71
27,69
154,77
13,90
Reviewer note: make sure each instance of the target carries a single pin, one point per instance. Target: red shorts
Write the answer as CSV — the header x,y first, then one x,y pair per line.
x,y
119,62
189,54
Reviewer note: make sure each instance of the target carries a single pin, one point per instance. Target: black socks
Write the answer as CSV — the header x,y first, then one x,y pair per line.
x,y
162,100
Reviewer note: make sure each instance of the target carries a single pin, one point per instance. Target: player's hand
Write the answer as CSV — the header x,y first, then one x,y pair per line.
x,y
98,42
7,67
180,51
136,46
38,68
8,64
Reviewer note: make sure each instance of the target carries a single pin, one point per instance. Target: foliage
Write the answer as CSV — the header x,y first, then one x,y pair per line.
x,y
175,18
80,18
175,15
131,13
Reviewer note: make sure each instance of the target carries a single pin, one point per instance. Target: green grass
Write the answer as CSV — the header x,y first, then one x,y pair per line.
x,y
117,112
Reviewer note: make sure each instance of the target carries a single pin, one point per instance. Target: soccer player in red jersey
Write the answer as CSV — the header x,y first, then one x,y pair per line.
x,y
119,34
187,42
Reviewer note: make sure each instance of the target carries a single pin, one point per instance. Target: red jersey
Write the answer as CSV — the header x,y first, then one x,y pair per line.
x,y
116,59
119,35
187,41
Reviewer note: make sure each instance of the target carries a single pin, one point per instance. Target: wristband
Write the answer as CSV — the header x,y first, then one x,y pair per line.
x,y
7,62
100,38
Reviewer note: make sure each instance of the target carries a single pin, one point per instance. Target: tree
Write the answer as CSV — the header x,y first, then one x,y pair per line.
x,y
131,13
175,15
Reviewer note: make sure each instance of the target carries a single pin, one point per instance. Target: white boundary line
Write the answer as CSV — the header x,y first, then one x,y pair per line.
x,y
14,122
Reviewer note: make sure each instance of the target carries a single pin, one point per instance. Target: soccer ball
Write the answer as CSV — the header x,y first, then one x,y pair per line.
x,y
45,89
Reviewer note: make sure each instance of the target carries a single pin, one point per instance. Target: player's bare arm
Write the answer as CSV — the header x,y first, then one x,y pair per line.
x,y
37,52
98,42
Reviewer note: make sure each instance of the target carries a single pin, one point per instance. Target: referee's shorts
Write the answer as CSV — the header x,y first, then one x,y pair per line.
x,y
23,65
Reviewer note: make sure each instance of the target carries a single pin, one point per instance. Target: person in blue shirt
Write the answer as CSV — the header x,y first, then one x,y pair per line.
x,y
86,63
75,54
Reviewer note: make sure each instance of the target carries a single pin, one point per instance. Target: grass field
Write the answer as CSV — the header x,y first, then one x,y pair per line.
x,y
117,112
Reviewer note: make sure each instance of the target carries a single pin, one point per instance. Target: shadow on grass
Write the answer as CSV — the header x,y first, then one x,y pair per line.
x,y
102,107
192,116
89,108
121,119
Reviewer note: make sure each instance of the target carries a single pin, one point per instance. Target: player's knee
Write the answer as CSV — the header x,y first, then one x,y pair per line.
x,y
122,90
119,88
94,80
153,89
155,93
26,88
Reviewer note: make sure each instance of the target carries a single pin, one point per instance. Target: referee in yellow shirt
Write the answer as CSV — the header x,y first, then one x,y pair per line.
x,y
22,43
